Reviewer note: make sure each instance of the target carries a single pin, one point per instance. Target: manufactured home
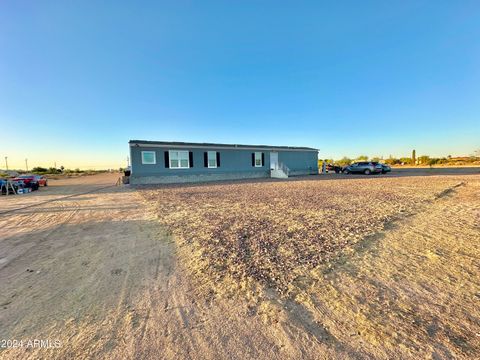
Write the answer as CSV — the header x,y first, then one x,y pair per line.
x,y
162,162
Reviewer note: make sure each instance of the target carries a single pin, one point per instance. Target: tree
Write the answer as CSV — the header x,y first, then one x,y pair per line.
x,y
39,170
392,161
424,159
406,160
362,158
376,159
432,161
344,161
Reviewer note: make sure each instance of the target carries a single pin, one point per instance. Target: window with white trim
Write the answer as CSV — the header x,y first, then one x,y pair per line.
x,y
149,158
179,159
212,159
258,159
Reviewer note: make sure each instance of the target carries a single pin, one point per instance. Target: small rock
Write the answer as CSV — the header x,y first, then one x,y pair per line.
x,y
116,271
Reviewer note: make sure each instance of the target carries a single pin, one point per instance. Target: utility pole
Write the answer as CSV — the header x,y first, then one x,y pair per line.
x,y
128,161
55,164
6,162
26,163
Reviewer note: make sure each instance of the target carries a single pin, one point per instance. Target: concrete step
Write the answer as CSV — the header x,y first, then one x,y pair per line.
x,y
278,174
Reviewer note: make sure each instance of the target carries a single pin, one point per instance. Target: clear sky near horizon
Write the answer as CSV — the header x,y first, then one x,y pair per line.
x,y
78,79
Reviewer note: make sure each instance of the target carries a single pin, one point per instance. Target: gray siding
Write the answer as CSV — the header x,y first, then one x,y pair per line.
x,y
230,160
234,164
300,162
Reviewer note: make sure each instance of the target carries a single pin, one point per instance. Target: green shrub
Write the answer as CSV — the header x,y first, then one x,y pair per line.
x,y
424,159
39,170
392,161
344,161
406,160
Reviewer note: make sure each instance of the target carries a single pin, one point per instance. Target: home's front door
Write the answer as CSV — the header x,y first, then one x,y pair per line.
x,y
273,160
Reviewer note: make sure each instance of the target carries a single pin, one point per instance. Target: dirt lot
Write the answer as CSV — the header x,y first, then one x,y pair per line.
x,y
378,267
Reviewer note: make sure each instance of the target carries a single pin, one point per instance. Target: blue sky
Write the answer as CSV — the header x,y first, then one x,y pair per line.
x,y
78,79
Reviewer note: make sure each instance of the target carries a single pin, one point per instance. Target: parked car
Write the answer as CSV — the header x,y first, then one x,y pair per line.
x,y
385,168
28,181
3,187
42,180
336,168
363,167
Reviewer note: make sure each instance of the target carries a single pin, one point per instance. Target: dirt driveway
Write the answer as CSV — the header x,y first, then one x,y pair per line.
x,y
73,258
95,275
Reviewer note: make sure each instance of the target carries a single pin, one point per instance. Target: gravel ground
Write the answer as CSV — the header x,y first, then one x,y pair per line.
x,y
272,231
365,268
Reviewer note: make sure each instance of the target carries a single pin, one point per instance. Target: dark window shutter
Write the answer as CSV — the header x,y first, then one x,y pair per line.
x,y
218,159
263,159
167,159
205,159
190,158
253,159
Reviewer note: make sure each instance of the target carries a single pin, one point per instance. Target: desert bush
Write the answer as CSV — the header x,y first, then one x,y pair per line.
x,y
405,161
392,161
344,161
52,170
39,170
424,159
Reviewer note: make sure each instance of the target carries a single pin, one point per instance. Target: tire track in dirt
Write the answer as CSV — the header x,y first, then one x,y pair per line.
x,y
40,239
309,319
41,221
155,311
147,316
55,199
412,285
